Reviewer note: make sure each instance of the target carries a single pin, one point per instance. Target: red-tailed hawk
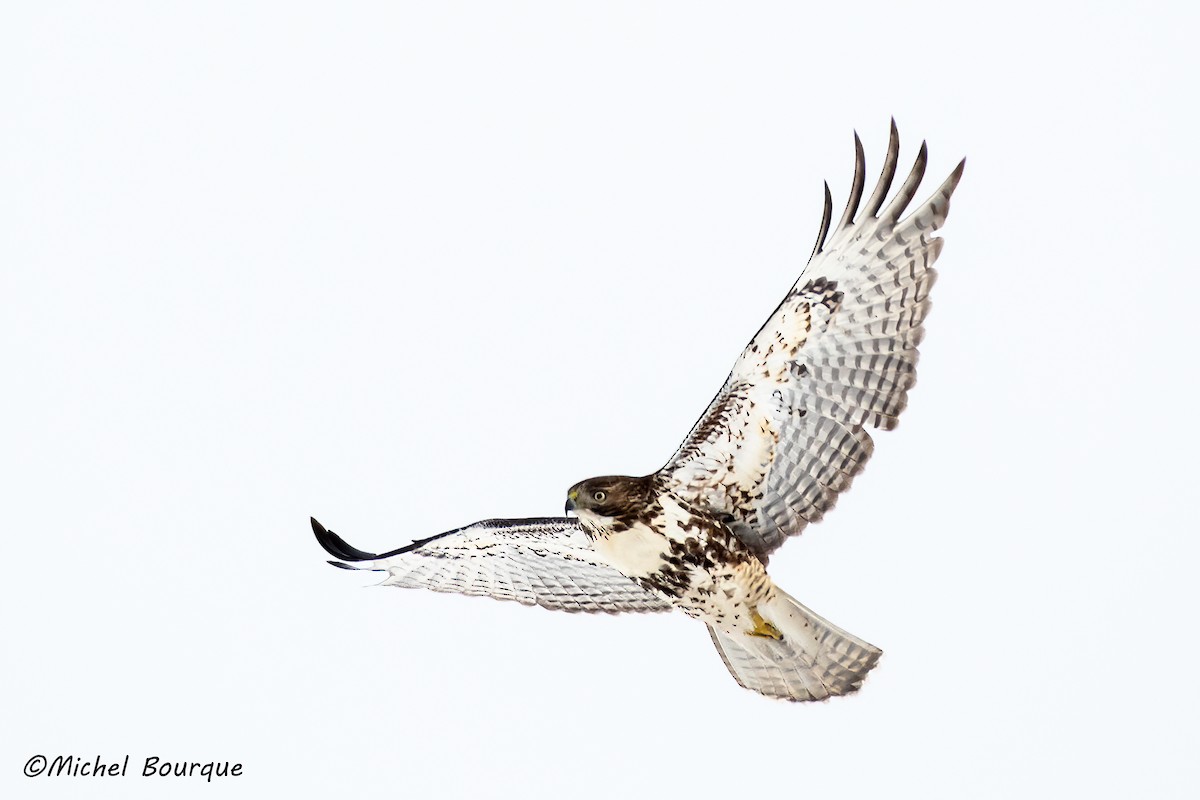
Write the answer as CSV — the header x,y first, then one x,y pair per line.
x,y
784,436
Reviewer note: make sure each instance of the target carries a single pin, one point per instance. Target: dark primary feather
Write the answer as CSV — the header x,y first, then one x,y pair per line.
x,y
856,187
909,189
823,231
889,172
336,546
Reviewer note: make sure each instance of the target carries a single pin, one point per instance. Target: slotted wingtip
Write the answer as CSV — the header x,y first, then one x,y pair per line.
x,y
856,187
337,547
826,216
957,174
951,183
876,200
328,541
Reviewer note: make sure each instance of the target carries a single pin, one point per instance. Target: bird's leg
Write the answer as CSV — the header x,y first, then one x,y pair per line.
x,y
762,627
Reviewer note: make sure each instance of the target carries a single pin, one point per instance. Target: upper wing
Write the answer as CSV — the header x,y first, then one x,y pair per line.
x,y
786,432
545,562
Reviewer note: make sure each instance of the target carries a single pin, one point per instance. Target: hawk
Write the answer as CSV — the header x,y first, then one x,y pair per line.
x,y
783,438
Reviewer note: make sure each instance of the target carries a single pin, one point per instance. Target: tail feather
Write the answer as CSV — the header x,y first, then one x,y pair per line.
x,y
814,660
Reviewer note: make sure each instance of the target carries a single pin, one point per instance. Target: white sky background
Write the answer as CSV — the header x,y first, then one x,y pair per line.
x,y
403,268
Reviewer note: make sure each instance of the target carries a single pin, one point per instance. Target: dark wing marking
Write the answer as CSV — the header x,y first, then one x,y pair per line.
x,y
546,562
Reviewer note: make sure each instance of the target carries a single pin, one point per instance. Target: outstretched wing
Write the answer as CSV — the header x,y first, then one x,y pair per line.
x,y
545,562
787,432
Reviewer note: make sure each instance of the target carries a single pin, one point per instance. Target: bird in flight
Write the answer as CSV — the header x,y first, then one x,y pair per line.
x,y
782,439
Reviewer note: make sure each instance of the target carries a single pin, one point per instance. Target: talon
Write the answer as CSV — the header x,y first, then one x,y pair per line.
x,y
763,628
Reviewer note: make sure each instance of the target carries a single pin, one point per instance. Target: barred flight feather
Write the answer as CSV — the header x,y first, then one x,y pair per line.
x,y
838,355
547,562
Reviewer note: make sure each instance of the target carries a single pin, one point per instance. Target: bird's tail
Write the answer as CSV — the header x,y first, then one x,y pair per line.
x,y
813,660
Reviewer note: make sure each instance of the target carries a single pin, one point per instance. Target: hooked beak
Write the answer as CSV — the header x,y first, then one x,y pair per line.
x,y
570,506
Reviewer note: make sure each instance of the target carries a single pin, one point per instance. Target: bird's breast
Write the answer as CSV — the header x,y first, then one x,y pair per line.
x,y
636,551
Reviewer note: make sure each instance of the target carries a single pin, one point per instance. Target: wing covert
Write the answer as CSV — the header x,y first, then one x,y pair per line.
x,y
788,430
547,562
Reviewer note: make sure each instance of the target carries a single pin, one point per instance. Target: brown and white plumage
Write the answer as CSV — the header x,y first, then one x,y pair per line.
x,y
544,562
782,439
787,432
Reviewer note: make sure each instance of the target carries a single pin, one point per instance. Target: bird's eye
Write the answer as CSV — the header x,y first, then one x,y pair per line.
x,y
599,497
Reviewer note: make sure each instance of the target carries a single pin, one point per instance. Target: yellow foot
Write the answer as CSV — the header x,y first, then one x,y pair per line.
x,y
763,628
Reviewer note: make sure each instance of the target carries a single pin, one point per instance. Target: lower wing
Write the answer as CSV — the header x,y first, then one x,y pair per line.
x,y
545,562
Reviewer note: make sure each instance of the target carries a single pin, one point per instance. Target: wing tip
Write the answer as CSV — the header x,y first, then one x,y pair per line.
x,y
884,184
826,216
337,547
952,182
856,186
908,190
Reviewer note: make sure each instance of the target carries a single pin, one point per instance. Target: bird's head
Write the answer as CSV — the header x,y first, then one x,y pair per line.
x,y
609,496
